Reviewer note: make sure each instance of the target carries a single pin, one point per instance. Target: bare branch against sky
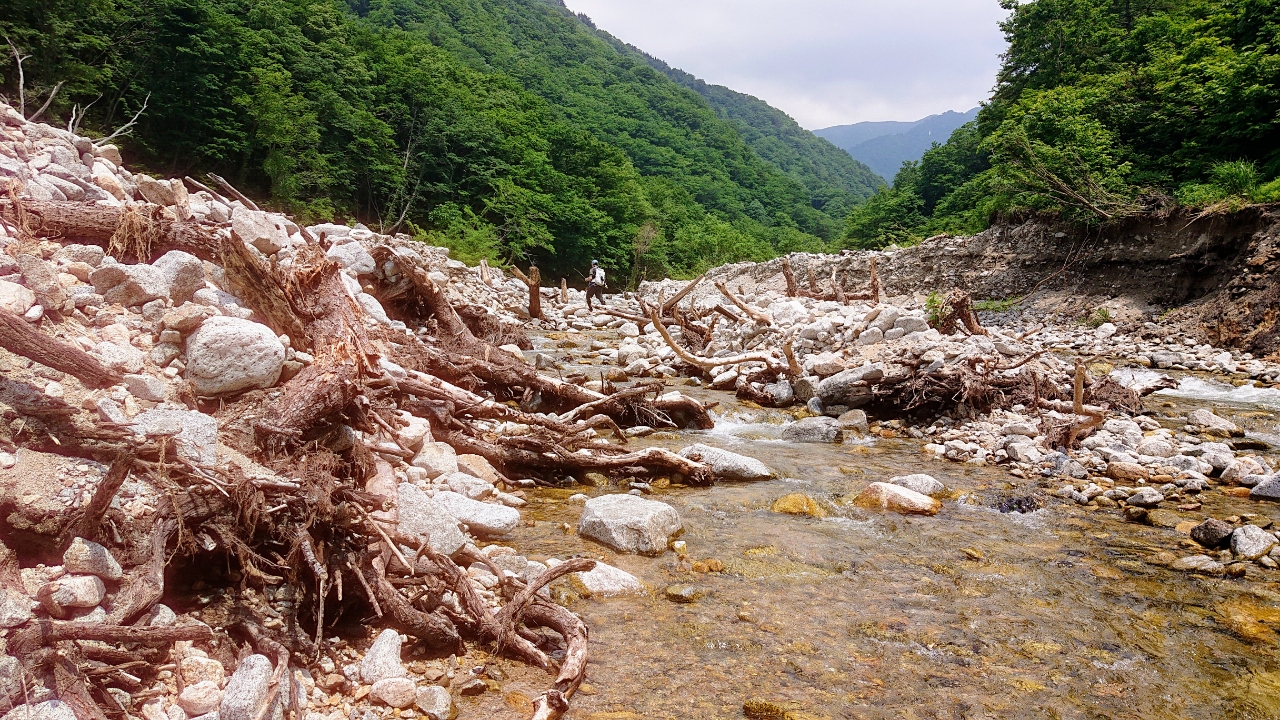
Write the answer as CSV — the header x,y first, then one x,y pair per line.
x,y
824,62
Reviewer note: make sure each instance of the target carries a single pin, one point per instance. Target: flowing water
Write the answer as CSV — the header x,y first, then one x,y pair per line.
x,y
1063,612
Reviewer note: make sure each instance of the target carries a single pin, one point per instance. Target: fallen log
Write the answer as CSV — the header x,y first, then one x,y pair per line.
x,y
759,316
93,224
21,338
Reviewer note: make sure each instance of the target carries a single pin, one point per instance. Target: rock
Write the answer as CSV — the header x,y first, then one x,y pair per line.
x,y
1242,467
1268,489
91,255
90,558
11,676
1163,518
1023,452
382,659
186,317
684,594
885,496
727,465
1211,424
203,697
854,420
628,330
15,608
155,191
48,710
780,393
604,581
197,433
629,524
247,689
15,298
1127,471
146,387
1251,542
125,358
398,692
262,230
483,519
921,483
421,516
229,355
413,435
870,336
478,466
202,669
353,257
1157,447
183,273
814,430
41,277
71,591
826,365
1145,497
435,703
798,504
1202,564
436,458
472,687
805,388
467,485
1212,533
911,324
141,284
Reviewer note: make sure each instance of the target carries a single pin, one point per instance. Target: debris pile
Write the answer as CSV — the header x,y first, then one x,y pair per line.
x,y
332,419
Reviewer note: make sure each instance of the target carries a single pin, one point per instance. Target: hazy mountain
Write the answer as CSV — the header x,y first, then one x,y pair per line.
x,y
884,146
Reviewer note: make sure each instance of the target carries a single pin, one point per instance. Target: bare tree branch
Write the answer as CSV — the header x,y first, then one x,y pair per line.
x,y
126,128
48,101
22,81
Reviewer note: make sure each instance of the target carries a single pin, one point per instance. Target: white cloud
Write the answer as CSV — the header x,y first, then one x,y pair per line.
x,y
824,62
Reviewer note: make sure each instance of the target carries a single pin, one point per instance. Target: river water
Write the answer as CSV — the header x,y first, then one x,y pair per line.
x,y
1062,612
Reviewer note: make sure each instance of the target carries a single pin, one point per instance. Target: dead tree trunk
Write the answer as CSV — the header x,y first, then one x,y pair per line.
x,y
535,293
21,338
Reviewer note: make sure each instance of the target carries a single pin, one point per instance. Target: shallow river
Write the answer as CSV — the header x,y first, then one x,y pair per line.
x,y
1056,613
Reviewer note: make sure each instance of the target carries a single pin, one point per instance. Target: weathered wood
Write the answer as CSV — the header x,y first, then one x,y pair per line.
x,y
19,337
92,224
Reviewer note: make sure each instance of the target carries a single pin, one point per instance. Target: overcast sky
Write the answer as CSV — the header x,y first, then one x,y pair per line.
x,y
824,62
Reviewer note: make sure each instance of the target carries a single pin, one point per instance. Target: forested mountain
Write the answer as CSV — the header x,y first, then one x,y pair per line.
x,y
884,146
835,181
500,127
1104,108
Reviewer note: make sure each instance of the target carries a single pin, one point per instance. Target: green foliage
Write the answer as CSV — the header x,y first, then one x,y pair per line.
x,y
1239,178
1097,318
1004,305
1269,192
936,308
506,129
1099,104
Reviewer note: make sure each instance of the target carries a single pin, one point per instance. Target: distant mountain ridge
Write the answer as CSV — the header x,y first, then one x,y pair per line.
x,y
884,146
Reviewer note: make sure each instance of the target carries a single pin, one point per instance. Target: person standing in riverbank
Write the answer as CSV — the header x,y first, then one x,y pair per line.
x,y
595,283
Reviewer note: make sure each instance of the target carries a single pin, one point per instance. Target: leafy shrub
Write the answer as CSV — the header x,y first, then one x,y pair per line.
x,y
1269,193
1237,179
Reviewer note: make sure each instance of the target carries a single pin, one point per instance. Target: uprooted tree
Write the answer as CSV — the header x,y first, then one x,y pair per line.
x,y
318,526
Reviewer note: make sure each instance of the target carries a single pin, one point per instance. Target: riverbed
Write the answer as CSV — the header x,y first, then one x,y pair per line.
x,y
1059,612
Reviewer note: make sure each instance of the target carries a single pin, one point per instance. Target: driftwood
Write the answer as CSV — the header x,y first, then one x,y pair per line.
x,y
19,337
315,526
837,292
759,316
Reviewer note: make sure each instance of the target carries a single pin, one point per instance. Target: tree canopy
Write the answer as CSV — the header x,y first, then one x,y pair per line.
x,y
1104,108
503,128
